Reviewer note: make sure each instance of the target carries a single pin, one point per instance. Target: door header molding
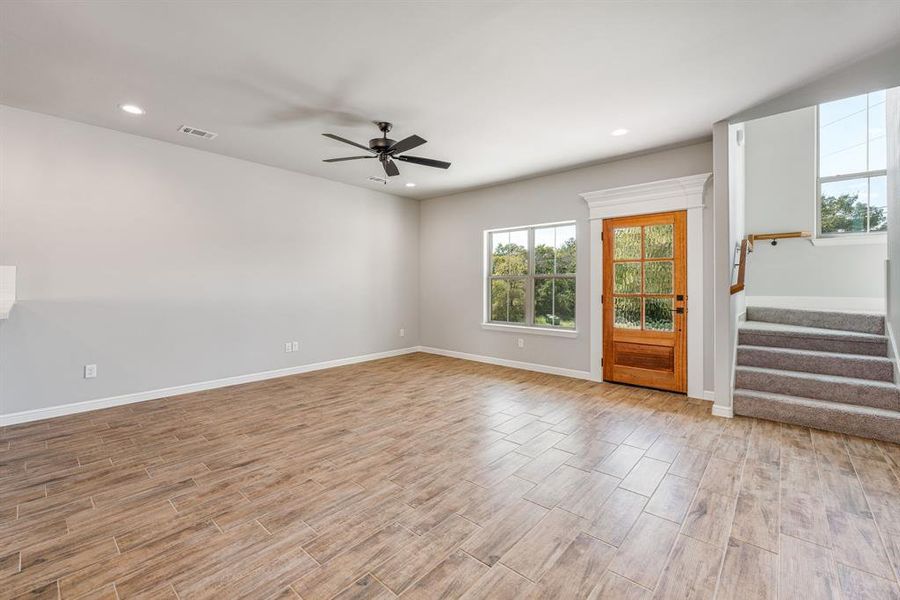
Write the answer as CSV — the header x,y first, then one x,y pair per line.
x,y
665,195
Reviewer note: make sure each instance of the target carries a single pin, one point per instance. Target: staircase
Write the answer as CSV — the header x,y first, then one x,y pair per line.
x,y
821,369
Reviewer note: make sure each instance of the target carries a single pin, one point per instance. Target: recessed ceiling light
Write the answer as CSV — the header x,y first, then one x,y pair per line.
x,y
410,184
618,132
132,109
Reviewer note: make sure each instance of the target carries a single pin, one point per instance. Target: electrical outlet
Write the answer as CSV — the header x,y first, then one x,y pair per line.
x,y
295,346
90,371
288,347
521,342
402,332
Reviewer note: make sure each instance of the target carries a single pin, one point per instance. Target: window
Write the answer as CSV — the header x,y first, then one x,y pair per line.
x,y
852,176
531,276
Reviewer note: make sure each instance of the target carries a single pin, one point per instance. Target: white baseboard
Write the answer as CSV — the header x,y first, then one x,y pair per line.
x,y
894,355
850,304
88,405
514,364
722,411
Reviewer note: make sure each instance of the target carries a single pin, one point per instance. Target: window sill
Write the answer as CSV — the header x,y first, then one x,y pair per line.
x,y
851,240
566,333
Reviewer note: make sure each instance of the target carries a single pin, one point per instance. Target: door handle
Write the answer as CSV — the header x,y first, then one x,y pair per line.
x,y
679,310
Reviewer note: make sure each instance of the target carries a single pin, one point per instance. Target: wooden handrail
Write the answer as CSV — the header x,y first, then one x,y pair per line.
x,y
747,247
778,236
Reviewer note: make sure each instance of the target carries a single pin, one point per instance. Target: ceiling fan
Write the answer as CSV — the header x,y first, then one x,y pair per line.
x,y
386,150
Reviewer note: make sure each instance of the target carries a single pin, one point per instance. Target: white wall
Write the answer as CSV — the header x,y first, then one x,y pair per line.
x,y
452,253
167,266
781,196
893,208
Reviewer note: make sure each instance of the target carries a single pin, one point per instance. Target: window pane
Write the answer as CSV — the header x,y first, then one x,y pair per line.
x,y
877,131
564,300
543,302
499,300
843,132
658,277
658,240
658,314
626,243
544,250
844,206
565,249
508,301
517,301
878,203
627,313
510,253
627,278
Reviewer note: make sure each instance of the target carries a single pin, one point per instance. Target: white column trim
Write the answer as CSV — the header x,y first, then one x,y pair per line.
x,y
680,193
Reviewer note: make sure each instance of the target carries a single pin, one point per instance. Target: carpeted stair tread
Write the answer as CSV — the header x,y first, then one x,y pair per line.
x,y
849,390
863,322
860,366
779,335
852,419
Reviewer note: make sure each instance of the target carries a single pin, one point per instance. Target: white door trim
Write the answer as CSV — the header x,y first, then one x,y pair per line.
x,y
680,193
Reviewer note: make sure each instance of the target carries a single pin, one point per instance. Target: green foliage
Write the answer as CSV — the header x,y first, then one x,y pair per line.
x,y
847,214
510,259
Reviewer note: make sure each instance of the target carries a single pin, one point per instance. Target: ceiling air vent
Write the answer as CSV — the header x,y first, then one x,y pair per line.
x,y
378,180
200,133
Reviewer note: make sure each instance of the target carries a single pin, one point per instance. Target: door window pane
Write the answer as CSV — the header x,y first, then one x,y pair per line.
x,y
658,241
627,278
658,314
626,243
627,313
658,277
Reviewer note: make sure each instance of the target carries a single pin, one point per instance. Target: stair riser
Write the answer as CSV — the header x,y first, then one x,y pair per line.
x,y
808,363
862,323
752,338
869,426
849,393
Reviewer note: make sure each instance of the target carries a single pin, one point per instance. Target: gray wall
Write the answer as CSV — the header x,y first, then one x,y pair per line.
x,y
452,253
781,196
166,265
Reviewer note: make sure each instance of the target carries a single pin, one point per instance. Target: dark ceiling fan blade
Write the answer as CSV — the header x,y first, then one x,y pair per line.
x,y
428,162
346,158
390,167
340,139
409,143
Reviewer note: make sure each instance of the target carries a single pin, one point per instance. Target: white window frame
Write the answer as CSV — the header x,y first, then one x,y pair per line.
x,y
529,325
849,237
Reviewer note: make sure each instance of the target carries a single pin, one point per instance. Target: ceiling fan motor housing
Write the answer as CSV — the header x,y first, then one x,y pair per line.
x,y
381,144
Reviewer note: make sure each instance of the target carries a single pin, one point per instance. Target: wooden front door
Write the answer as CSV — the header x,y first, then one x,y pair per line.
x,y
644,301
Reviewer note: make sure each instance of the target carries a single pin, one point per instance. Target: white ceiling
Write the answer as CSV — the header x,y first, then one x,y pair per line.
x,y
504,90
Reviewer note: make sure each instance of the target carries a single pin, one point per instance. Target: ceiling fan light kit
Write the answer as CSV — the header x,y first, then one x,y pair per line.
x,y
387,150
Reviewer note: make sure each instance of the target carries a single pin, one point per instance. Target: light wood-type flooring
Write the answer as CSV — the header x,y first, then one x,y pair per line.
x,y
429,477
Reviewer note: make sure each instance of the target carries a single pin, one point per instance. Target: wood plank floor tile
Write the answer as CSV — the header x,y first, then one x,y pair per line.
x,y
692,571
577,572
709,517
502,533
499,583
617,516
616,587
672,498
450,579
748,573
859,585
542,546
806,571
756,516
643,555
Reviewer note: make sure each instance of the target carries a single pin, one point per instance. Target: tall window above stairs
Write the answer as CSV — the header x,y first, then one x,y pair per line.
x,y
852,176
